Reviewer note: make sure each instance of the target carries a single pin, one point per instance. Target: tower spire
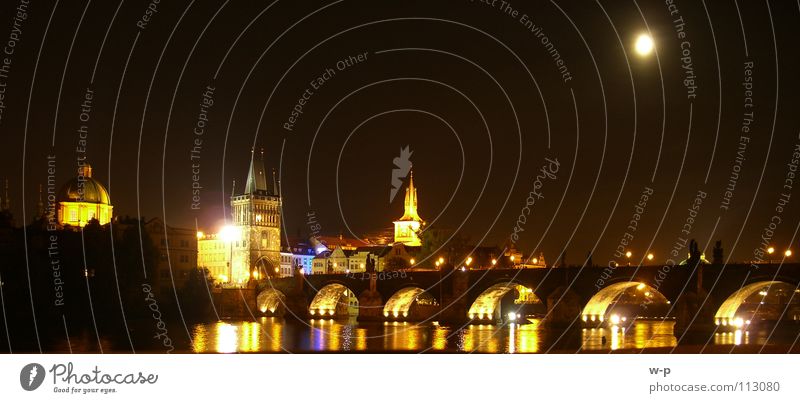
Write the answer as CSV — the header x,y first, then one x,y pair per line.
x,y
412,191
407,227
274,182
256,177
411,203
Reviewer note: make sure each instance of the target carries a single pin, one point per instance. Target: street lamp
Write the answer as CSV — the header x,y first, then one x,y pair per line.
x,y
650,256
628,254
770,251
788,253
644,44
229,234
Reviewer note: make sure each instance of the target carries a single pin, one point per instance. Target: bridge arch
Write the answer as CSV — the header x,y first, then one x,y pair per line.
x,y
408,301
264,267
271,302
487,305
628,298
760,301
334,300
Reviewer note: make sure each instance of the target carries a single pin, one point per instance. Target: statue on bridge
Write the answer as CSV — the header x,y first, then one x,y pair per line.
x,y
370,265
693,307
694,254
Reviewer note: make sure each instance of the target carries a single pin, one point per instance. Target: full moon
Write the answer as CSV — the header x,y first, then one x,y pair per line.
x,y
644,44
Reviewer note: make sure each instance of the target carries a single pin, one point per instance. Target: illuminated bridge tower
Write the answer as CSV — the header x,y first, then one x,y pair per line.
x,y
257,219
406,228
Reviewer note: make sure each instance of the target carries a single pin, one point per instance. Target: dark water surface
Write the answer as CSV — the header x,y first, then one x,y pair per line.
x,y
328,335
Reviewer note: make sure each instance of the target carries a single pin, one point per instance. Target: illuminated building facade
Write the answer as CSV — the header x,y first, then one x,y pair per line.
x,y
256,214
300,256
82,199
286,264
250,247
343,260
406,228
214,254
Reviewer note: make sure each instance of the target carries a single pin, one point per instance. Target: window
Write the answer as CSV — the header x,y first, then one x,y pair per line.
x,y
73,214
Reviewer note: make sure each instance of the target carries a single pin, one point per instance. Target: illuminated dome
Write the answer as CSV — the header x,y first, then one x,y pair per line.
x,y
83,199
93,191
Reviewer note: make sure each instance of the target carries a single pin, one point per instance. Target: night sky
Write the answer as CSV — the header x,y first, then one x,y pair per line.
x,y
467,85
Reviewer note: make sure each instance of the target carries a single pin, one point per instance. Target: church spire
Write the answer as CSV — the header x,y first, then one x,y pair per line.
x,y
410,205
275,182
256,177
407,227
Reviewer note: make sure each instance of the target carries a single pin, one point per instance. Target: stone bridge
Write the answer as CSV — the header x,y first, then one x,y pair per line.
x,y
701,299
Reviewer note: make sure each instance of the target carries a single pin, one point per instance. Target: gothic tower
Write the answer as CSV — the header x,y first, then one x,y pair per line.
x,y
406,228
257,218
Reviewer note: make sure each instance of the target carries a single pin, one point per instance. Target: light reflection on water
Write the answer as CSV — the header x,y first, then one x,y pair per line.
x,y
642,334
277,335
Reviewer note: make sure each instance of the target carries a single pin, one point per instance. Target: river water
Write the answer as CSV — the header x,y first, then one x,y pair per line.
x,y
328,335
279,335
